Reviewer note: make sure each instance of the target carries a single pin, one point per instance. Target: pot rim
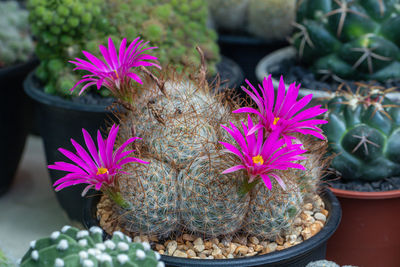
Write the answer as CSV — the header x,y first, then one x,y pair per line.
x,y
53,100
365,195
277,257
288,52
32,60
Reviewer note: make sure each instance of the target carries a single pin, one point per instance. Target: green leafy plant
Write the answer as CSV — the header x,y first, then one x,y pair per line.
x,y
16,45
350,39
73,247
364,132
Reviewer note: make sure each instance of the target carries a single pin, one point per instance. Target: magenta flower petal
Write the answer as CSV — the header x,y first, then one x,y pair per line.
x,y
116,71
98,167
261,156
285,112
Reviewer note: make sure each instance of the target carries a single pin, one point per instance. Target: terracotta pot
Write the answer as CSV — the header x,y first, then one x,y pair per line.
x,y
369,233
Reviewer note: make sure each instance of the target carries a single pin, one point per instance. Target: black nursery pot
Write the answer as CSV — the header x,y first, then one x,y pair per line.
x,y
58,121
297,256
246,51
15,118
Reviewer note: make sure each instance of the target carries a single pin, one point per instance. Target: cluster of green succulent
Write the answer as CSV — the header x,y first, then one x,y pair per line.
x,y
74,247
63,29
15,41
364,132
267,19
175,26
350,39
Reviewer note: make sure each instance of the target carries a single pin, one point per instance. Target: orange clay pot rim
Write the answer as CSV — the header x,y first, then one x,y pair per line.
x,y
365,195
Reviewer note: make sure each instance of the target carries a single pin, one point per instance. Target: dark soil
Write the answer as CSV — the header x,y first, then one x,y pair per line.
x,y
386,184
294,72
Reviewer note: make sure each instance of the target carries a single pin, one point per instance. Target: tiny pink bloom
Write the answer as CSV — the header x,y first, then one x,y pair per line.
x,y
97,167
262,158
116,72
284,112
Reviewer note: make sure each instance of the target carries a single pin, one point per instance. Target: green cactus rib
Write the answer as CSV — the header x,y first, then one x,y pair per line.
x,y
350,39
16,45
365,137
72,247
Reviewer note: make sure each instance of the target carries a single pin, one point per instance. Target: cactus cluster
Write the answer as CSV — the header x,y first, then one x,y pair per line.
x,y
65,28
364,132
178,26
183,188
350,39
74,247
15,41
267,19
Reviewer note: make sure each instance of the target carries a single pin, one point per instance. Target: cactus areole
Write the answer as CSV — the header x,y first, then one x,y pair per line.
x,y
364,132
350,39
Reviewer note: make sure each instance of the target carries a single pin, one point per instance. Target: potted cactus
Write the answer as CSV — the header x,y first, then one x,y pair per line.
x,y
169,167
363,131
249,29
16,49
338,40
72,247
64,28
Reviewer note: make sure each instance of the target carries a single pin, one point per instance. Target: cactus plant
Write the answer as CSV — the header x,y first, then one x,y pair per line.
x,y
15,41
177,26
74,247
270,20
363,131
64,28
196,180
350,39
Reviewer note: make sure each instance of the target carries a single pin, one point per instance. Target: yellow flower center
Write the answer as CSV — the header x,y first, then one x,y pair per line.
x,y
115,71
276,120
258,160
102,170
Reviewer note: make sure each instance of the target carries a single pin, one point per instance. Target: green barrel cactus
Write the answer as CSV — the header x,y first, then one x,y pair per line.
x,y
16,45
364,133
350,39
72,247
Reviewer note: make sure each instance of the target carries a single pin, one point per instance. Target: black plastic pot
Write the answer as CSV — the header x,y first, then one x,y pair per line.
x,y
15,118
58,121
230,74
297,256
246,51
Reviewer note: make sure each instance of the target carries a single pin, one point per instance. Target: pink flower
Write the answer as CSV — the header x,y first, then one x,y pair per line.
x,y
261,157
97,168
115,73
284,113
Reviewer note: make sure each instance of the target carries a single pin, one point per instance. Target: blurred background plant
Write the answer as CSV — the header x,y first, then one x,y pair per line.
x,y
16,45
270,20
64,28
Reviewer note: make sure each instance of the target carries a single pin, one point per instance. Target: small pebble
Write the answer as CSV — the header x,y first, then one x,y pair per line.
x,y
171,247
180,254
254,240
241,250
320,217
187,237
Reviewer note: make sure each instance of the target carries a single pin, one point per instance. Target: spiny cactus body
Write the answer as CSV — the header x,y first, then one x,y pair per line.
x,y
15,41
210,203
72,247
271,214
268,19
153,192
350,39
364,132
